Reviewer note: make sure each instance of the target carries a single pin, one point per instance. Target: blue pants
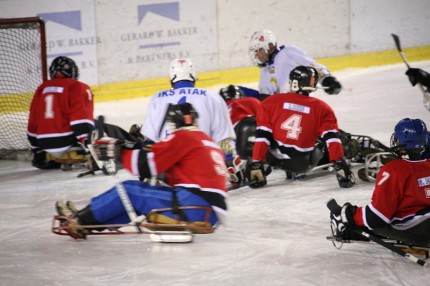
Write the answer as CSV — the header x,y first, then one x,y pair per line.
x,y
108,209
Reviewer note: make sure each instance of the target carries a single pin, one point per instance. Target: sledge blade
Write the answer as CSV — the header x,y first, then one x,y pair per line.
x,y
172,236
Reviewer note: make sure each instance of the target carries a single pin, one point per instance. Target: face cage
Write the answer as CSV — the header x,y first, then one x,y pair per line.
x,y
253,56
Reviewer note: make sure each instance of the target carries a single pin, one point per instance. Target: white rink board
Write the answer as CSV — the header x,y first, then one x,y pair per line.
x,y
120,41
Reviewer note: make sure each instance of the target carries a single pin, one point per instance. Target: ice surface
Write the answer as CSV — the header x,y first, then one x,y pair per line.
x,y
274,236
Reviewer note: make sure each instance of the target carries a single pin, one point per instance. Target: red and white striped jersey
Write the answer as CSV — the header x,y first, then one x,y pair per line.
x,y
188,158
61,113
402,189
292,124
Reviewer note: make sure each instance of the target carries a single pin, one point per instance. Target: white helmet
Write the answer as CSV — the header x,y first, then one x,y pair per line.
x,y
182,69
260,39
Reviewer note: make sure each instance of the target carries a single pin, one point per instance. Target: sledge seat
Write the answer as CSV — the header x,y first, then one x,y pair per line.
x,y
72,156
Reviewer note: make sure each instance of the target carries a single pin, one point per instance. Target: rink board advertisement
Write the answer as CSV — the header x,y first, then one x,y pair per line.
x,y
117,41
70,30
126,42
141,39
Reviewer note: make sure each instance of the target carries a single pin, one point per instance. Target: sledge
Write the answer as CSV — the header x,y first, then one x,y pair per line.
x,y
422,251
404,249
159,227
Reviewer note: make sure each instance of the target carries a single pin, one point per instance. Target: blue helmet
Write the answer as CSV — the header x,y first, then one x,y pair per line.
x,y
410,134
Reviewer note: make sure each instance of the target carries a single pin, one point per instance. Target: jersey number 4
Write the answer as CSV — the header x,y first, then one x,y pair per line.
x,y
292,125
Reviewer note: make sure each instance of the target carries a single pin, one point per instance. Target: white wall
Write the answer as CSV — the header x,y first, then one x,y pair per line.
x,y
116,40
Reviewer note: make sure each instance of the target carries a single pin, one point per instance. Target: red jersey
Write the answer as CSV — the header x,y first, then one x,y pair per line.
x,y
61,113
190,159
402,189
241,108
292,123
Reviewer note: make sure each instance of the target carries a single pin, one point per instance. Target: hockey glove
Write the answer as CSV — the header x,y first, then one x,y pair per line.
x,y
332,86
418,76
236,171
344,175
341,222
257,178
107,148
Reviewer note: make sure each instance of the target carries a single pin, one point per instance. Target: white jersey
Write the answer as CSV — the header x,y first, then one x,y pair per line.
x,y
274,78
213,115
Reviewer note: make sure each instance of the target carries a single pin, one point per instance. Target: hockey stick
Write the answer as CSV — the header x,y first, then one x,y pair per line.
x,y
110,167
426,96
169,107
336,209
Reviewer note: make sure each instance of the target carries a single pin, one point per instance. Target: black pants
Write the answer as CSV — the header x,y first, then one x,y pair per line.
x,y
301,164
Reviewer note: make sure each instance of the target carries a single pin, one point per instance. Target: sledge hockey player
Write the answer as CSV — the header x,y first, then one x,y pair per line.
x,y
400,205
276,64
61,114
243,111
292,129
214,118
61,118
194,170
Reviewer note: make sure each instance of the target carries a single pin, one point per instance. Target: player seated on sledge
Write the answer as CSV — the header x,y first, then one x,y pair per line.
x,y
62,116
400,205
61,113
194,170
292,129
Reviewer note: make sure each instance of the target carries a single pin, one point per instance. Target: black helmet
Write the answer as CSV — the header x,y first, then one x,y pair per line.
x,y
230,92
303,79
62,67
182,114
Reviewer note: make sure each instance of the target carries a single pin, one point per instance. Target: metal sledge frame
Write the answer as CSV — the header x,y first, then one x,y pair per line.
x,y
334,208
147,227
376,158
422,251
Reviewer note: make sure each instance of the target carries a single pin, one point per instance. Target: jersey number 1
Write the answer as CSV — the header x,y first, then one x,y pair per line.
x,y
49,104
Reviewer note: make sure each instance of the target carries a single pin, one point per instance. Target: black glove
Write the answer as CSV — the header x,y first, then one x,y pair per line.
x,y
344,175
231,92
341,222
331,84
418,76
257,178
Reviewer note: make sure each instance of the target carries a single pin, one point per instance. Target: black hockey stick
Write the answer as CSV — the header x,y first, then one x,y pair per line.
x,y
169,107
110,167
426,96
336,209
399,48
